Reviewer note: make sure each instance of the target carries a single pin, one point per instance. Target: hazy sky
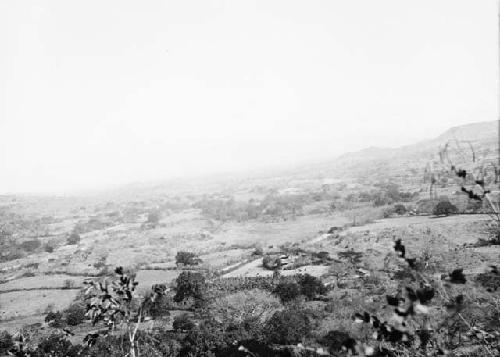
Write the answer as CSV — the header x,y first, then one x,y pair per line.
x,y
112,91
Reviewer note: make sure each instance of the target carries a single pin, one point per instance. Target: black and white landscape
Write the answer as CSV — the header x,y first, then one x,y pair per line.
x,y
249,178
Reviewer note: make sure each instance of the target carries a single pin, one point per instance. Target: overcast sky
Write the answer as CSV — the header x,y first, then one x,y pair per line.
x,y
105,92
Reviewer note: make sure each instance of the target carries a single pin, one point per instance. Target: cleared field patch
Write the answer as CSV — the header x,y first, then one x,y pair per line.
x,y
14,326
225,258
147,278
43,281
255,268
34,302
300,230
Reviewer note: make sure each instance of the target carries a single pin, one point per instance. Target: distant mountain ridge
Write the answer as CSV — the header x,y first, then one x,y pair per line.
x,y
402,162
475,132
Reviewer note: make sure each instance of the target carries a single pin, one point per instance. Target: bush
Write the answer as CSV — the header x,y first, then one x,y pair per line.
x,y
74,238
54,319
334,340
6,342
271,262
399,209
187,258
31,245
57,346
234,309
311,286
183,323
159,307
287,291
288,327
444,208
75,314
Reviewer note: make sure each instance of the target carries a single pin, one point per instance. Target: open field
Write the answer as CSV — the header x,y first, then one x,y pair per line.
x,y
20,304
43,281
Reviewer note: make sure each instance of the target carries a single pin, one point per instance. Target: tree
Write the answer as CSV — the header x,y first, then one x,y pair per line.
x,y
187,258
444,208
116,302
189,284
271,262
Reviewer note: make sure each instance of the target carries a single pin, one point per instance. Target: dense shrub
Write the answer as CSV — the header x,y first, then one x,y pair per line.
x,y
444,208
54,319
399,209
57,346
6,342
288,327
75,314
160,307
183,323
189,284
187,258
244,306
271,262
310,286
334,340
204,340
287,291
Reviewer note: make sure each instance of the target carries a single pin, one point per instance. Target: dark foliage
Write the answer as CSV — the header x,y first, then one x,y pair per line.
x,y
75,314
189,284
310,286
287,291
444,208
6,342
57,346
187,258
54,319
288,327
456,277
271,262
335,340
183,323
399,209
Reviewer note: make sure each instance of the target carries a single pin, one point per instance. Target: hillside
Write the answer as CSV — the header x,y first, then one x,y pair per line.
x,y
403,163
331,226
